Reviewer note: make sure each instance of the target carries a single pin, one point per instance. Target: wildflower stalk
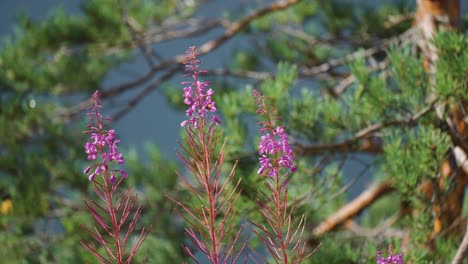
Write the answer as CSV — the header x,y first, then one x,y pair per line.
x,y
112,214
211,213
281,237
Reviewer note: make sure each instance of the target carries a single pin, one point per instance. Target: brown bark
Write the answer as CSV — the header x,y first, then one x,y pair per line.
x,y
353,208
462,249
432,16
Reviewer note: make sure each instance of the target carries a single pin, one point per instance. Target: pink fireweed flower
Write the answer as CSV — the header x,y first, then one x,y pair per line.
x,y
196,95
275,143
102,144
390,259
274,149
283,237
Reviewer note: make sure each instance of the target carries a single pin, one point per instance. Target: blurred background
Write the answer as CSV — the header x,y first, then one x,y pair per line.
x,y
355,83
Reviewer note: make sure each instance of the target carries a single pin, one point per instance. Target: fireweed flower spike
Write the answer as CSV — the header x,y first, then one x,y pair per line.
x,y
116,208
281,235
102,144
211,211
274,143
195,95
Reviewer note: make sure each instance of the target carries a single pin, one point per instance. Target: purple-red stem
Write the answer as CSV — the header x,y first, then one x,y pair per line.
x,y
207,169
277,195
110,205
210,193
109,196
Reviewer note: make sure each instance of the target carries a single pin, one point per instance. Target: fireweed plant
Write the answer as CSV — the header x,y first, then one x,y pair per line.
x,y
211,211
390,259
114,215
282,236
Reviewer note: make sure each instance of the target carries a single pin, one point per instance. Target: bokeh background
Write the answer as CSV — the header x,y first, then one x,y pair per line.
x,y
332,68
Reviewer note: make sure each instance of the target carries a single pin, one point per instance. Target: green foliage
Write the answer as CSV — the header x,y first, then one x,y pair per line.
x,y
347,248
452,66
45,63
245,60
298,14
408,170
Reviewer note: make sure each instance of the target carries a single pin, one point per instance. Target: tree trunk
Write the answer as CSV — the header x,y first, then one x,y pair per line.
x,y
432,16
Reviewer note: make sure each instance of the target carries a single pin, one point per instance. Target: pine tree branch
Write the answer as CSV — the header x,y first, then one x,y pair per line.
x,y
398,19
362,134
381,229
432,17
135,28
231,30
205,48
143,94
365,199
461,252
332,63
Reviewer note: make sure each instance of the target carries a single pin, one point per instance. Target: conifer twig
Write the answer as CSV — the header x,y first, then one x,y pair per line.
x,y
231,30
363,133
462,249
354,207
